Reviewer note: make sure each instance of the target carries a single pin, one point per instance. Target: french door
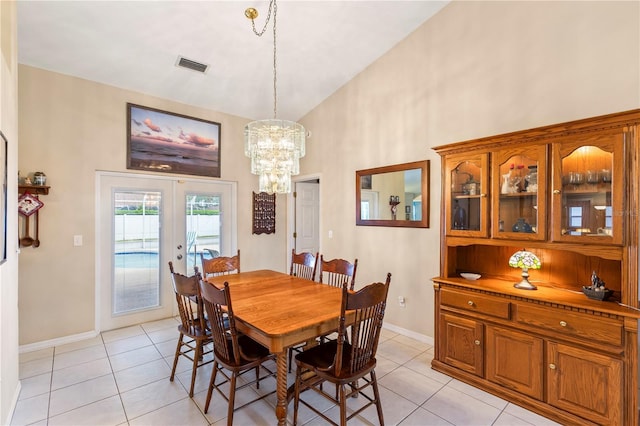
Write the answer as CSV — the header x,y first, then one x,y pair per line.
x,y
143,222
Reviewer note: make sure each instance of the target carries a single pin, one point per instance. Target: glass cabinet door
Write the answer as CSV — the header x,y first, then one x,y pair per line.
x,y
467,180
588,189
519,193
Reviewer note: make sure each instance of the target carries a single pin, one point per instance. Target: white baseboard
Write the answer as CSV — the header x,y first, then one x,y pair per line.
x,y
57,342
417,336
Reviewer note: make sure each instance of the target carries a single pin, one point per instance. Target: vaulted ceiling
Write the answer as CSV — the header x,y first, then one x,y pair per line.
x,y
135,45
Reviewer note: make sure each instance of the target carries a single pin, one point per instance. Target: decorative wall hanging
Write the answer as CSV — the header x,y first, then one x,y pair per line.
x,y
162,141
29,205
264,213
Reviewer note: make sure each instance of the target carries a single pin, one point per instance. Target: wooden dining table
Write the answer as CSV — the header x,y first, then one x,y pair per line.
x,y
279,310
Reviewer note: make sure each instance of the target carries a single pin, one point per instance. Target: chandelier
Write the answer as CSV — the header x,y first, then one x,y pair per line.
x,y
275,146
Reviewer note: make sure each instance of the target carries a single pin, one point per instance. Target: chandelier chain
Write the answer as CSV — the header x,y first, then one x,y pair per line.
x,y
275,75
272,7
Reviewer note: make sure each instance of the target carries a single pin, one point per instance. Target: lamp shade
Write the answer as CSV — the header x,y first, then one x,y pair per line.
x,y
524,260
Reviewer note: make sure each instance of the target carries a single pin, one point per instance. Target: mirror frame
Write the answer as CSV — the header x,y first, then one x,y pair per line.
x,y
424,223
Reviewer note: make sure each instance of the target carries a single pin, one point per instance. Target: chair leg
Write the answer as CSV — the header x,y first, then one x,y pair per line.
x,y
257,376
175,357
212,382
343,405
196,357
296,398
376,395
232,398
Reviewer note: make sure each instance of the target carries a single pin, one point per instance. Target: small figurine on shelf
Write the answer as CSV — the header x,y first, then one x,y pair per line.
x,y
597,289
27,181
596,283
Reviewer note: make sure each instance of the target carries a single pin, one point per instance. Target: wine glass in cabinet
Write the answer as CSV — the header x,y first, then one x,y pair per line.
x,y
519,193
588,191
466,201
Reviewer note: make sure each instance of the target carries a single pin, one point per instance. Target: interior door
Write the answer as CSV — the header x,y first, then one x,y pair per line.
x,y
307,222
143,222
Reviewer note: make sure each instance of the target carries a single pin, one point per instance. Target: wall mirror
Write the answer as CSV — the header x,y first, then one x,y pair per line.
x,y
396,195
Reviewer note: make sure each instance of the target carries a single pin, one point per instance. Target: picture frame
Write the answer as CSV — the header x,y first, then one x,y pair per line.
x,y
365,182
167,142
4,147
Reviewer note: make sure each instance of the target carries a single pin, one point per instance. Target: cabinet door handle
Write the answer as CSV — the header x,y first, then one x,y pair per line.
x,y
563,323
470,303
552,366
556,191
483,195
477,342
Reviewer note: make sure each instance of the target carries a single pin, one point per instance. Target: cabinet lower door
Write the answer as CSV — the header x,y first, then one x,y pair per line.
x,y
514,360
462,343
584,383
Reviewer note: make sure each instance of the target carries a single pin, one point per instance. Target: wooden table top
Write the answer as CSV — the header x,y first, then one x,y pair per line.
x,y
280,310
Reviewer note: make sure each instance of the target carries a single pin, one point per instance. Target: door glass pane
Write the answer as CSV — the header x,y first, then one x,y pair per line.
x,y
586,192
518,202
136,262
466,183
203,227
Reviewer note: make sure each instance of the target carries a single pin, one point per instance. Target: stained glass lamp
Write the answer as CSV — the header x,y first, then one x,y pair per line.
x,y
525,260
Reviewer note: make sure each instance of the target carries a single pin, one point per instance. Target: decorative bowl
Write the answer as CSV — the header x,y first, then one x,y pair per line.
x,y
597,295
470,276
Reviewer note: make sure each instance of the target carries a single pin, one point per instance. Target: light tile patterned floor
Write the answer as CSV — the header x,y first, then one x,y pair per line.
x,y
122,378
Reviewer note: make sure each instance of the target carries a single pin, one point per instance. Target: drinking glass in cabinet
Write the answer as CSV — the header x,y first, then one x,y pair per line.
x,y
586,196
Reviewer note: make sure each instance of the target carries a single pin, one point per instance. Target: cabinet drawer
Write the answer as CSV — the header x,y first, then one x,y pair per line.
x,y
474,302
585,326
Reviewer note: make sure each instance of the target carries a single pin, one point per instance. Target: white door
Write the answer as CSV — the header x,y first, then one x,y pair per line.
x,y
307,222
144,222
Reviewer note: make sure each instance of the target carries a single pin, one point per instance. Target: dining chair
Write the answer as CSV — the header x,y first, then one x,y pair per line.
x,y
195,334
232,351
303,265
337,272
221,265
345,361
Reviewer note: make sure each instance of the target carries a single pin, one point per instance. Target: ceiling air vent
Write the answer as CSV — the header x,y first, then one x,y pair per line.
x,y
192,65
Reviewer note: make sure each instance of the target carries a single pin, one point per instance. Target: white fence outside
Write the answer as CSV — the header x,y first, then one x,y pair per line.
x,y
145,227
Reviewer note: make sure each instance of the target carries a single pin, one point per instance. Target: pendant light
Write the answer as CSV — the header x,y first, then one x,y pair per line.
x,y
275,146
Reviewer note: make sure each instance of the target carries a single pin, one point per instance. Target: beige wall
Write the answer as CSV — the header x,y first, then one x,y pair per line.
x,y
70,128
9,385
475,69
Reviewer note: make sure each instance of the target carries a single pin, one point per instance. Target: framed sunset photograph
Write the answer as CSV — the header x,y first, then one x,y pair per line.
x,y
162,141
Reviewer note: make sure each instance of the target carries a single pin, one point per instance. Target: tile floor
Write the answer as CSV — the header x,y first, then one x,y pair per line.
x,y
122,378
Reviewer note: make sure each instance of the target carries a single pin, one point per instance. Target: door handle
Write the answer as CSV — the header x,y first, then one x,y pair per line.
x,y
179,246
179,257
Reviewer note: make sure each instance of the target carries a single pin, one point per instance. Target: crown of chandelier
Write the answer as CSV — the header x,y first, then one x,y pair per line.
x,y
275,146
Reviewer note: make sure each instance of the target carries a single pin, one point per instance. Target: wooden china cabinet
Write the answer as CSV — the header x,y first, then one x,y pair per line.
x,y
569,193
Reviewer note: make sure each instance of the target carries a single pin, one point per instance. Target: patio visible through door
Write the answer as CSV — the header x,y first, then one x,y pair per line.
x,y
145,222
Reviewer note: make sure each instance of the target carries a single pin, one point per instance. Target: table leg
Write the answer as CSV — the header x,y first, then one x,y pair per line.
x,y
281,386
